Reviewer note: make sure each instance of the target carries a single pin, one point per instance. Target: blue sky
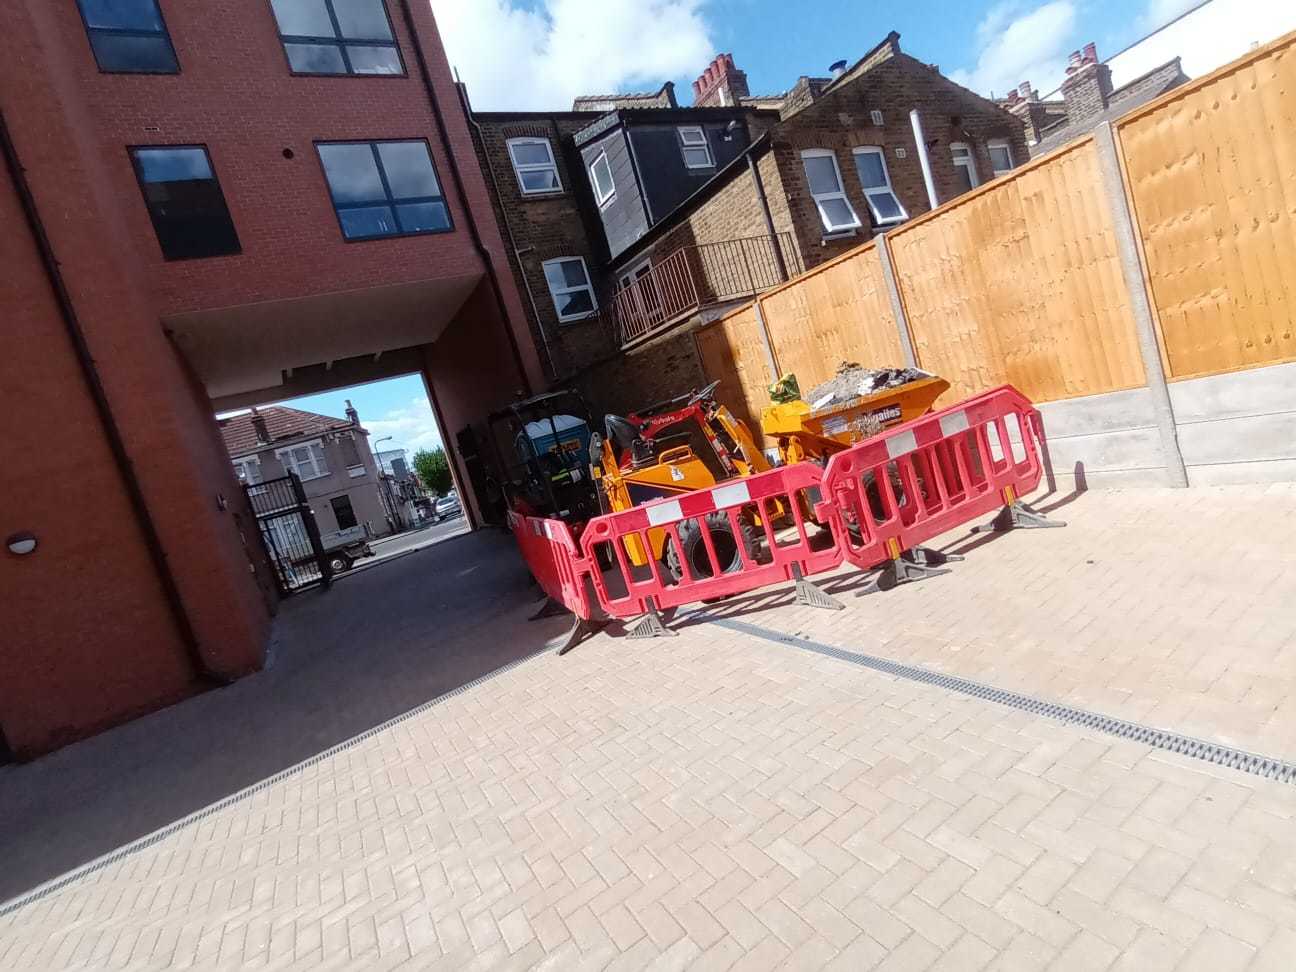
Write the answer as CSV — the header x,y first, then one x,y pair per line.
x,y
398,408
541,53
536,54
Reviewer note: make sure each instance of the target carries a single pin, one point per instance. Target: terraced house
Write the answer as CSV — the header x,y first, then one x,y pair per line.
x,y
633,220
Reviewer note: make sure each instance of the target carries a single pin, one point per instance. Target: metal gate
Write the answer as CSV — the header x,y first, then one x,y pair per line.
x,y
290,534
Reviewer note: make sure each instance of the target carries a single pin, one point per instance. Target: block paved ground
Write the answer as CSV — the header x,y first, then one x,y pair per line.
x,y
718,801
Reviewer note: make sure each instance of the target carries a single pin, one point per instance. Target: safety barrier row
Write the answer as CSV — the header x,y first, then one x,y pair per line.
x,y
554,560
874,503
904,487
704,545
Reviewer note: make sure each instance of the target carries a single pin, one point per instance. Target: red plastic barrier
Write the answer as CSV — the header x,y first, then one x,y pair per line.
x,y
921,479
554,559
699,518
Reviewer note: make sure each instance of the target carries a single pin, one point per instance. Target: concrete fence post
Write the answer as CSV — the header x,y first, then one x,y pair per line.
x,y
766,340
897,305
1140,303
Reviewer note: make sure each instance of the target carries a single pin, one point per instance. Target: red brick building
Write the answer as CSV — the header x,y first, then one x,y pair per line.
x,y
209,204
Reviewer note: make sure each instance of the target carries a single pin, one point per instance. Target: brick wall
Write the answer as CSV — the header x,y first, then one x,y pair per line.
x,y
545,227
841,120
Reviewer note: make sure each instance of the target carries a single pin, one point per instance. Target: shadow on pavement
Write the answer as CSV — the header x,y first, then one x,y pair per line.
x,y
343,661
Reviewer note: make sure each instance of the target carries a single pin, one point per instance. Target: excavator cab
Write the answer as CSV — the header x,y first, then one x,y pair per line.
x,y
542,450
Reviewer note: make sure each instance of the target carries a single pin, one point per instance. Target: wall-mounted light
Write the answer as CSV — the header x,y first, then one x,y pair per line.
x,y
21,543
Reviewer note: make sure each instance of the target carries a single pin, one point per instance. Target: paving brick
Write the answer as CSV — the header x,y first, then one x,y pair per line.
x,y
729,802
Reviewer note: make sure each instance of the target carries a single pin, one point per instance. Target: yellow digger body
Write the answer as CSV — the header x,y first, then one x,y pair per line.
x,y
804,433
678,470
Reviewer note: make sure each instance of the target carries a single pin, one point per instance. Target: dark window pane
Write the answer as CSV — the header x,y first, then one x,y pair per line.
x,y
885,205
540,180
821,175
122,14
173,164
315,58
343,512
127,53
963,178
369,221
362,19
374,60
303,18
352,173
409,169
423,217
574,273
838,213
872,172
577,302
185,203
530,153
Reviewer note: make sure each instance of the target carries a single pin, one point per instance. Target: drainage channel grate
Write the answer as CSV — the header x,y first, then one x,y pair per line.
x,y
1238,759
59,883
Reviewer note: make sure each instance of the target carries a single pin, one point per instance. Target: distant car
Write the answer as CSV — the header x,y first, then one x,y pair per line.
x,y
446,507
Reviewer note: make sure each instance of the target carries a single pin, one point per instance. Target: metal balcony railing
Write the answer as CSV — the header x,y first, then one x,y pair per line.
x,y
698,276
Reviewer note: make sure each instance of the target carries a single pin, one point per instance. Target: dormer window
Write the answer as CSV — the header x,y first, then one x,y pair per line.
x,y
695,147
601,177
535,166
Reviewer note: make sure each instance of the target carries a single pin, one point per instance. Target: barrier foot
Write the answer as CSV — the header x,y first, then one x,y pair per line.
x,y
930,557
579,631
812,596
549,609
1018,516
651,625
906,569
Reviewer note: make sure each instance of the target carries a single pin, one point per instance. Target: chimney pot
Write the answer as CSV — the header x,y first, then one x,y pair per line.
x,y
1091,53
1074,63
1024,89
837,68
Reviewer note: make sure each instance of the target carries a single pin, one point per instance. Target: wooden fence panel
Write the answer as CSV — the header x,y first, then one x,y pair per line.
x,y
837,312
1020,282
733,353
1211,170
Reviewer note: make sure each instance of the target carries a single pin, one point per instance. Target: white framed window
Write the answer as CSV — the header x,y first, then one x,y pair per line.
x,y
248,471
1001,159
695,147
824,179
306,460
570,287
535,166
965,171
601,178
870,163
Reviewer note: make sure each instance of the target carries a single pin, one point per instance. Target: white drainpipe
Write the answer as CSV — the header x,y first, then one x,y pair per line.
x,y
922,157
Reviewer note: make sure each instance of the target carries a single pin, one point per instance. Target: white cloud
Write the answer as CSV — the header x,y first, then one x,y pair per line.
x,y
1161,12
1016,42
1205,39
518,58
412,427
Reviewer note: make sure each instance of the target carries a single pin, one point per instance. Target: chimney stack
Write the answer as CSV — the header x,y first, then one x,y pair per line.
x,y
352,415
1087,86
721,84
259,427
1024,102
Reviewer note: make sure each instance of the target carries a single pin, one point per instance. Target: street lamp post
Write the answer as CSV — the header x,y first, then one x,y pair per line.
x,y
393,507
